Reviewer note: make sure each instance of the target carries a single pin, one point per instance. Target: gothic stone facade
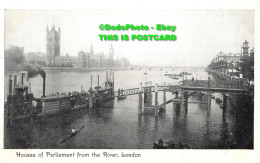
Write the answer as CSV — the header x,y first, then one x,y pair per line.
x,y
84,60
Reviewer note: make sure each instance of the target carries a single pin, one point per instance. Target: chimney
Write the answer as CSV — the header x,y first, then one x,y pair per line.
x,y
23,78
10,81
29,88
13,84
43,86
20,82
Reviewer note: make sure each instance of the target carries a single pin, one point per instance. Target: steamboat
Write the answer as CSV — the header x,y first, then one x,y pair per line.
x,y
19,105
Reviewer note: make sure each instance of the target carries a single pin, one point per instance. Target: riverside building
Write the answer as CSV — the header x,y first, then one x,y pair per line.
x,y
87,60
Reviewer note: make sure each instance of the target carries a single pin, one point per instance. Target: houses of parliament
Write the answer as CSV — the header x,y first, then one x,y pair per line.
x,y
84,60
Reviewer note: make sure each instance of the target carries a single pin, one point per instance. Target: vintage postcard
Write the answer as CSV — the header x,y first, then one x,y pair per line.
x,y
123,84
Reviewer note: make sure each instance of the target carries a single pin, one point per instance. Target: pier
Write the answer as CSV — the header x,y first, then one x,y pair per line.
x,y
186,89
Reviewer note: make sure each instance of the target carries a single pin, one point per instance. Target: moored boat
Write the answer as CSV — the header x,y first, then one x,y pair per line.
x,y
121,97
169,145
156,145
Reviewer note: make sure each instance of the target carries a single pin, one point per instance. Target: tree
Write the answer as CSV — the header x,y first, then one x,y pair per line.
x,y
247,67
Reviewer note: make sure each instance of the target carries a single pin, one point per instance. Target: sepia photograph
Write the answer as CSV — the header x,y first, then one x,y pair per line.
x,y
129,79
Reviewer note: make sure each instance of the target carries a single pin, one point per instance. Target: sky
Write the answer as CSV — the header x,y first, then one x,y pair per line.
x,y
201,34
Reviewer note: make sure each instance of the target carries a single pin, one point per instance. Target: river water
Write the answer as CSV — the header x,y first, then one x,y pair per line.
x,y
118,125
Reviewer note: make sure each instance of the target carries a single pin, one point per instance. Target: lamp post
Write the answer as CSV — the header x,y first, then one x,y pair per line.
x,y
233,67
146,84
183,76
240,69
208,78
226,66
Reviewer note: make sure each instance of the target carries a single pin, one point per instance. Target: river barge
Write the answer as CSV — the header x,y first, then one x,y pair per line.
x,y
19,104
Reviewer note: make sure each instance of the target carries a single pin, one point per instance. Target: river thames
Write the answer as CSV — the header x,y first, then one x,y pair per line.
x,y
117,124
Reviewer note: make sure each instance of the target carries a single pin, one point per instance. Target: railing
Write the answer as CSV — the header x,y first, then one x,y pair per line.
x,y
170,84
230,83
223,75
215,84
134,91
175,87
196,83
126,92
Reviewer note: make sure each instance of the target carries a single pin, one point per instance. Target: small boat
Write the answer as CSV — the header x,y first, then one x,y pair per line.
x,y
221,105
156,145
145,73
174,77
184,73
166,74
121,97
72,135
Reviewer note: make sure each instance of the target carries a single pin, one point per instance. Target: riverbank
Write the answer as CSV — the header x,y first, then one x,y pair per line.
x,y
66,69
244,117
242,110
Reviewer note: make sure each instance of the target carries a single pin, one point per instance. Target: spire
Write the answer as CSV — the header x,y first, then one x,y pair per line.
x,y
53,27
111,48
111,52
91,51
